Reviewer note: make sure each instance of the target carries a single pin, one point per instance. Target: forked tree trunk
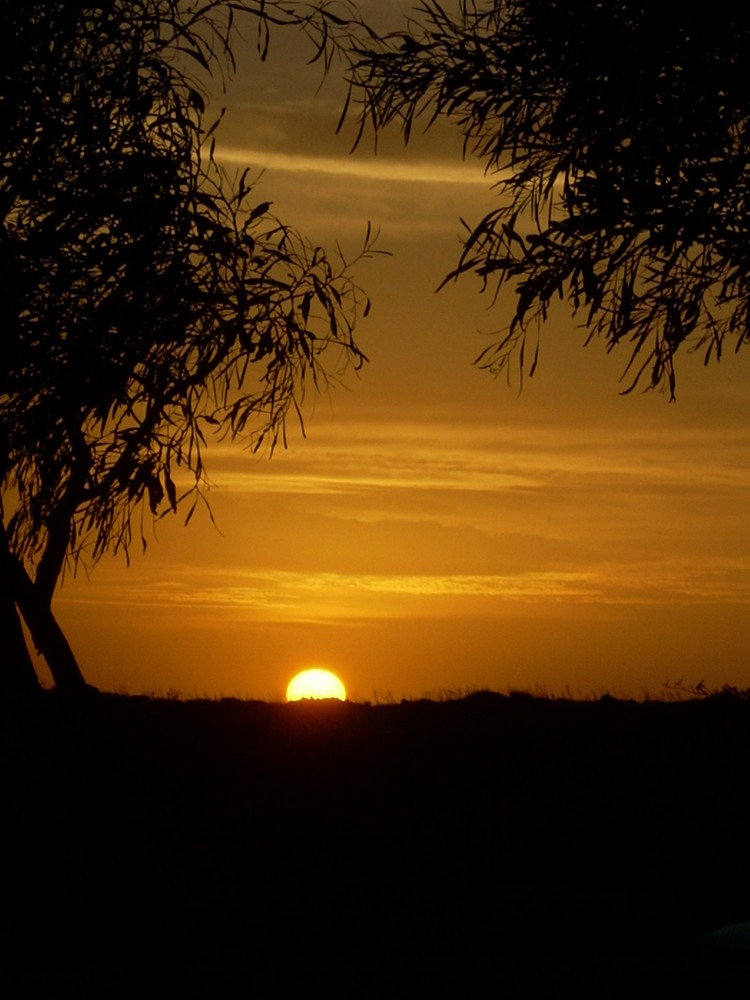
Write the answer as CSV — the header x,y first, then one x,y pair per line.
x,y
47,635
35,604
50,641
17,674
34,597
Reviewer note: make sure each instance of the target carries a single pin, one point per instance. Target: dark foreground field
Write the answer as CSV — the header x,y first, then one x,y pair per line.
x,y
487,846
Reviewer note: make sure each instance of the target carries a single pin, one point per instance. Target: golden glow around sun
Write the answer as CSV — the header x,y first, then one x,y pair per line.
x,y
315,683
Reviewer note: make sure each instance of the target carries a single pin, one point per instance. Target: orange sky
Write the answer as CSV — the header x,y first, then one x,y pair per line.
x,y
436,529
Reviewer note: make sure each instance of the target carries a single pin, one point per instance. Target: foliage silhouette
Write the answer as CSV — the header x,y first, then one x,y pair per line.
x,y
146,300
617,137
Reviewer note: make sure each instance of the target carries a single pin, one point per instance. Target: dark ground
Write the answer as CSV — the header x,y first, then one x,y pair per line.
x,y
491,845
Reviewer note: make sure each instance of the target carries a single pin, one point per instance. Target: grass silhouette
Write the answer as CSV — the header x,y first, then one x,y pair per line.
x,y
487,840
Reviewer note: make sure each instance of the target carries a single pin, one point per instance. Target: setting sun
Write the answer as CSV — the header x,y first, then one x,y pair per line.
x,y
315,683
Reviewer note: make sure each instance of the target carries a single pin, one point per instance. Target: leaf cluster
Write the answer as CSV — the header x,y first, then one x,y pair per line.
x,y
145,300
616,132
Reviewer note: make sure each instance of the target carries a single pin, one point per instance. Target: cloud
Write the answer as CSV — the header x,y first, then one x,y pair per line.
x,y
212,594
380,169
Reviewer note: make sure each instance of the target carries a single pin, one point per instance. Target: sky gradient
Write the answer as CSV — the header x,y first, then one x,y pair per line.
x,y
437,529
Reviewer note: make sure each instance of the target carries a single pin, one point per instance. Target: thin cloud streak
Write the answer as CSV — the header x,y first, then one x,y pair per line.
x,y
435,456
381,169
287,595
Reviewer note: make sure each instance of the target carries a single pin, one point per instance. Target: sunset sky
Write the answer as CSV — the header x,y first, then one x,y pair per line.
x,y
437,529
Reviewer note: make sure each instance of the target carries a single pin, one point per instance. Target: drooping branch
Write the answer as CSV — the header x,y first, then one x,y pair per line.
x,y
617,138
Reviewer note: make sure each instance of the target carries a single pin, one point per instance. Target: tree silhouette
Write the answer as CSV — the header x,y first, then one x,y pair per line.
x,y
145,300
616,134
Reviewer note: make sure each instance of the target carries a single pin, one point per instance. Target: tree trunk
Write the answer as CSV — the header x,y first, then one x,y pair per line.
x,y
34,598
47,635
18,675
50,641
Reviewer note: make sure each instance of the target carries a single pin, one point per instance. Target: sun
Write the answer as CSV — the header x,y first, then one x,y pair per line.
x,y
315,683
